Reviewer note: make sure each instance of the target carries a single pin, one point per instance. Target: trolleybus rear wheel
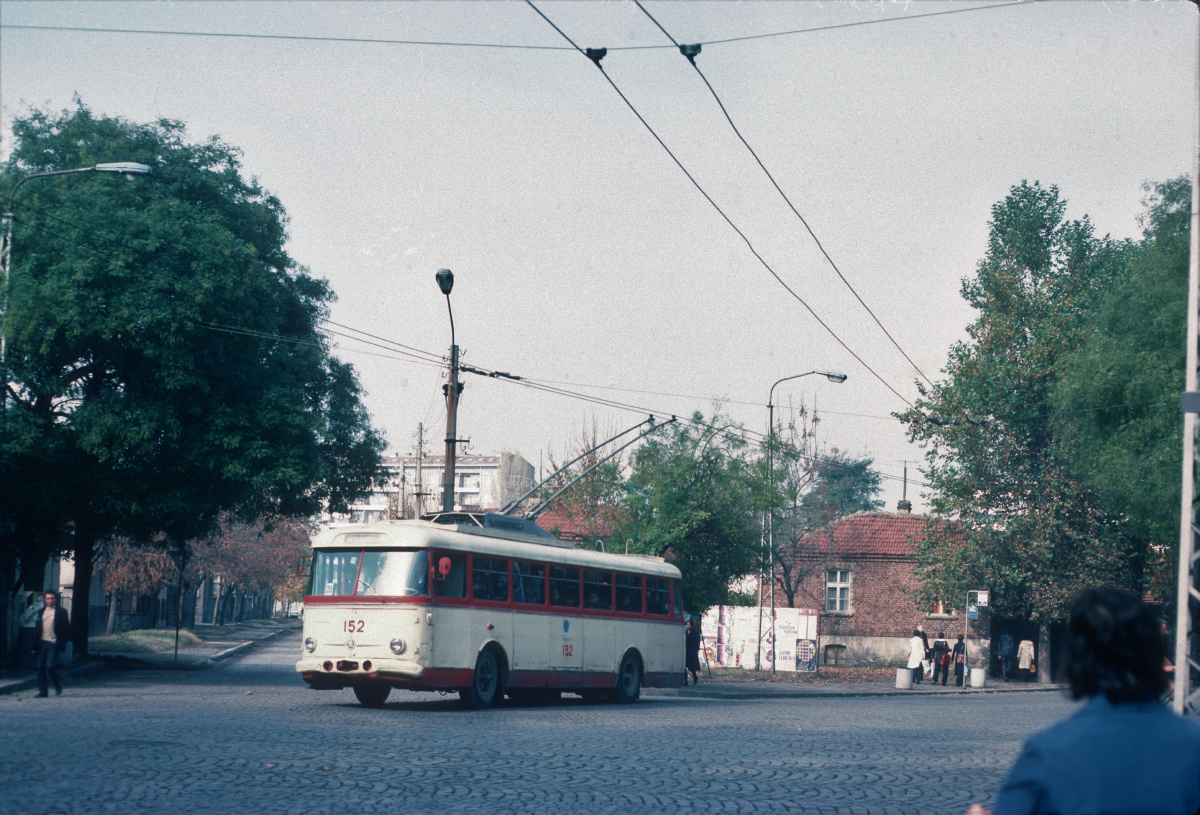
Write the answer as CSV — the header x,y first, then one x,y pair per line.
x,y
629,680
372,695
485,689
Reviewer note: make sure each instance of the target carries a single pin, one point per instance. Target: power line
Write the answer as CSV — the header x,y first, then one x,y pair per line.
x,y
855,24
694,396
597,54
493,45
691,58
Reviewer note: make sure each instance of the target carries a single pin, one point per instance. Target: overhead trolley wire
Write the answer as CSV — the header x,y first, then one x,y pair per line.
x,y
595,55
691,58
494,45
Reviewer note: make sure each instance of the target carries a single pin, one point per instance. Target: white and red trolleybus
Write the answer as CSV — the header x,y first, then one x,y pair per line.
x,y
486,604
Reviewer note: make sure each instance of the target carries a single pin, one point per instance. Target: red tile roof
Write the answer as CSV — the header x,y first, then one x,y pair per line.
x,y
573,526
868,533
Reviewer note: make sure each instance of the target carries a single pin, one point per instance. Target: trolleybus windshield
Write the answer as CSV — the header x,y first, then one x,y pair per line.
x,y
375,572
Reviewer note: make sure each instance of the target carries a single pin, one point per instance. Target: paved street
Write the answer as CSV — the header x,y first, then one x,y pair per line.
x,y
247,736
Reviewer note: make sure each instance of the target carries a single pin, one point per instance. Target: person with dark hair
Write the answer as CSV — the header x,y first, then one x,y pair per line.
x,y
1124,751
50,635
692,641
941,658
916,655
959,657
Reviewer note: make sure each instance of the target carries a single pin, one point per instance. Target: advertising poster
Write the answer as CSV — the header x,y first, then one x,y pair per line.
x,y
732,635
806,640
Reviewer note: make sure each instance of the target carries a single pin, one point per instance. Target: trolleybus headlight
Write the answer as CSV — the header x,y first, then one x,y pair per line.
x,y
310,644
398,646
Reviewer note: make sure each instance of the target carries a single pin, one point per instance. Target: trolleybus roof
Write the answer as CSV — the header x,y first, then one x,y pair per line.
x,y
484,541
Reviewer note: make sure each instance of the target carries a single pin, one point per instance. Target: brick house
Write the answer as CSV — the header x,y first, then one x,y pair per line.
x,y
858,571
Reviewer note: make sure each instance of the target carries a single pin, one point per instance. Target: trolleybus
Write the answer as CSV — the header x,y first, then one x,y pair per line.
x,y
484,605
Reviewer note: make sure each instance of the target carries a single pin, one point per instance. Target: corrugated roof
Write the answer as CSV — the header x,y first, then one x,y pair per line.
x,y
868,533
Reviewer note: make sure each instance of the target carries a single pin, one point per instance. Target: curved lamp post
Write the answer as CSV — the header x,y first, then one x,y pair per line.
x,y
837,379
445,281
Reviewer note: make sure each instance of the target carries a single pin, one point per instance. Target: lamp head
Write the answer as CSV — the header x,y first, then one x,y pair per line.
x,y
127,168
445,281
835,378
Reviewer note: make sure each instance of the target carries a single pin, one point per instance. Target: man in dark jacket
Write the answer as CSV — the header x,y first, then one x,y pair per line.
x,y
50,635
692,643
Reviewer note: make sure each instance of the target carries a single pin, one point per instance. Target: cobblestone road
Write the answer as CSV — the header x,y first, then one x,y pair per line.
x,y
247,736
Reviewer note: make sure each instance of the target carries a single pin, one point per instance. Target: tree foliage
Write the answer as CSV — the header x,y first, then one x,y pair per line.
x,y
1115,402
1035,534
689,498
164,352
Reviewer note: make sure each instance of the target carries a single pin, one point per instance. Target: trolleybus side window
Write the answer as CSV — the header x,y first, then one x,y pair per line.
x,y
597,590
395,573
564,586
333,573
629,593
489,579
529,583
658,596
678,610
449,575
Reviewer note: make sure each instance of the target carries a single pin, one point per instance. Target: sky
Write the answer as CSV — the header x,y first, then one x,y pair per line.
x,y
583,256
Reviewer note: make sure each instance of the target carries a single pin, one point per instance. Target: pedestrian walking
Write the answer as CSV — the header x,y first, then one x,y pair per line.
x,y
1123,751
958,657
941,658
926,668
50,635
693,651
1006,654
916,655
1025,659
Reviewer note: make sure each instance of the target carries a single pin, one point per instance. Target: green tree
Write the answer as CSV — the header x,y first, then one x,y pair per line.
x,y
690,498
1034,534
164,354
822,487
1115,402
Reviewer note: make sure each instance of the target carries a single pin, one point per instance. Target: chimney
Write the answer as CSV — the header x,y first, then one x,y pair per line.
x,y
904,505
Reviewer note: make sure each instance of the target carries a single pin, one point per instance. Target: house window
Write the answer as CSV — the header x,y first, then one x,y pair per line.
x,y
940,608
835,655
837,590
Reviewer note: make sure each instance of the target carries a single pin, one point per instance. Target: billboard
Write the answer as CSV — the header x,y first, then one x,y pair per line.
x,y
733,634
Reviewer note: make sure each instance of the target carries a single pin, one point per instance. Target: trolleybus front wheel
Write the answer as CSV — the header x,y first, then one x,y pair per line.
x,y
485,688
629,680
373,695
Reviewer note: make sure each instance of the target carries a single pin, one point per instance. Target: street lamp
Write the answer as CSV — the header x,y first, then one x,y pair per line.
x,y
445,281
837,379
129,169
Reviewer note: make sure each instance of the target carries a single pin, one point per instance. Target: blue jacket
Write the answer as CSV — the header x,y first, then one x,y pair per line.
x,y
1130,758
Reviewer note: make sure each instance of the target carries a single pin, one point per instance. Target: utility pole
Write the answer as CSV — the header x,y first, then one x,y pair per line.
x,y
452,389
419,495
1187,594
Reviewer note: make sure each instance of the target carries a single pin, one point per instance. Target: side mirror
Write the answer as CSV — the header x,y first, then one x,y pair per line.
x,y
443,568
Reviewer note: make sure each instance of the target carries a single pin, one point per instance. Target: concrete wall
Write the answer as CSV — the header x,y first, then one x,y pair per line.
x,y
891,651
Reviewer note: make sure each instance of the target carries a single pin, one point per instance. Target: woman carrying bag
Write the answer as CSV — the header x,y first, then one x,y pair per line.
x,y
959,659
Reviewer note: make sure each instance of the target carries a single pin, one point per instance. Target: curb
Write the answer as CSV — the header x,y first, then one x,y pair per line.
x,y
840,694
70,673
242,647
134,663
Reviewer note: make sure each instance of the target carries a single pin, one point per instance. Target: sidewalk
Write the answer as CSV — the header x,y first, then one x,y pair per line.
x,y
795,690
193,658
